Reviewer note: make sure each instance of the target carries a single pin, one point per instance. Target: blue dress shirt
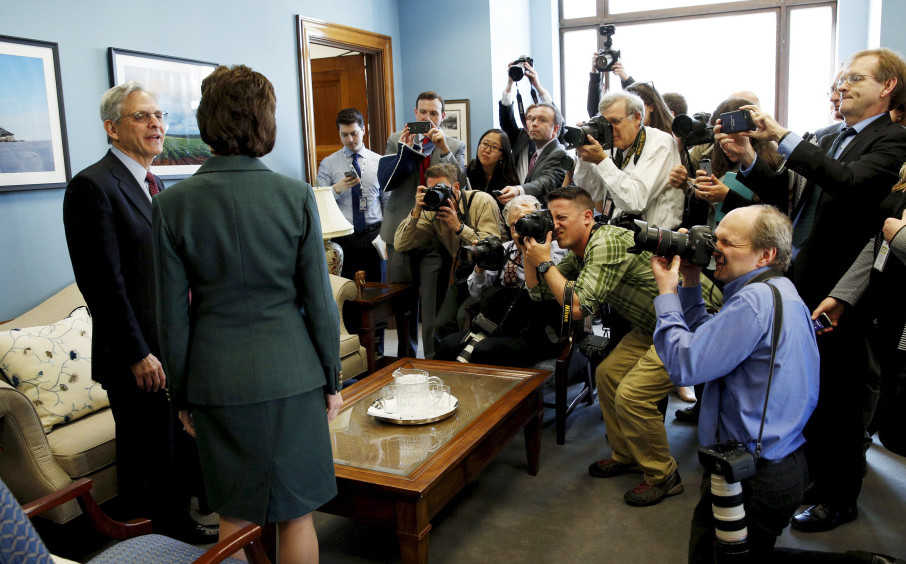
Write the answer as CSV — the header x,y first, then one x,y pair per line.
x,y
735,344
332,169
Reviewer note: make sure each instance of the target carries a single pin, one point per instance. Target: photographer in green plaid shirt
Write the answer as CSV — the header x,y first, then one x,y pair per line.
x,y
632,379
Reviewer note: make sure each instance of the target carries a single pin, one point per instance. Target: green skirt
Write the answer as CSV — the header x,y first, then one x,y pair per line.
x,y
269,461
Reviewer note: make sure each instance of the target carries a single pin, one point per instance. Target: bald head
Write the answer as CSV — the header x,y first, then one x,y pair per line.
x,y
746,95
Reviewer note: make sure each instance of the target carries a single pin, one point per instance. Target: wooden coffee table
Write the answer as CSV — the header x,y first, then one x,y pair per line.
x,y
401,476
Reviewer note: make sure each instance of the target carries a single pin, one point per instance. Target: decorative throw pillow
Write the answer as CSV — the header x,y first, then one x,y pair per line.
x,y
51,365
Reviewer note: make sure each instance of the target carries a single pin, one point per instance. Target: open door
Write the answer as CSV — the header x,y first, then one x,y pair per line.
x,y
357,71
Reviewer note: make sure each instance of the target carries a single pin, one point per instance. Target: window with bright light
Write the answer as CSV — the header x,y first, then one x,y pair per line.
x,y
706,52
579,9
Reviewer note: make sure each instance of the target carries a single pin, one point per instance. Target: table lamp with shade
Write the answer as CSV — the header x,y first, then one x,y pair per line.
x,y
333,224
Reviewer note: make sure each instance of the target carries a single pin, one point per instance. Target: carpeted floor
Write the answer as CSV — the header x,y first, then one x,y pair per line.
x,y
564,515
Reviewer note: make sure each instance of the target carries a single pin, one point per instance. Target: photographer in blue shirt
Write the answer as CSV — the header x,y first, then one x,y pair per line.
x,y
731,353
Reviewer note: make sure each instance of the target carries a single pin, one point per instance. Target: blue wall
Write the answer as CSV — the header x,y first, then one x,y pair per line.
x,y
260,34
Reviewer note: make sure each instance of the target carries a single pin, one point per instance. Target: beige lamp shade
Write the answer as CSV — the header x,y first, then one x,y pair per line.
x,y
333,224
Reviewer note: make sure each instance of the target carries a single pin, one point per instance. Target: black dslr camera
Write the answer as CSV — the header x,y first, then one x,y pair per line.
x,y
730,460
607,56
487,254
694,129
535,225
599,128
517,67
437,196
697,246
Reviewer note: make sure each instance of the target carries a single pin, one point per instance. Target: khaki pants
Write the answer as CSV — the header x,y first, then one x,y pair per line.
x,y
631,381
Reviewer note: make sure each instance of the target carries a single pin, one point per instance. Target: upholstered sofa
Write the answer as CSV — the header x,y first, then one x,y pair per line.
x,y
34,464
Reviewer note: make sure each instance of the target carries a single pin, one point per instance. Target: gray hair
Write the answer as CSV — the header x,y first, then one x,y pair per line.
x,y
112,101
772,229
634,104
519,202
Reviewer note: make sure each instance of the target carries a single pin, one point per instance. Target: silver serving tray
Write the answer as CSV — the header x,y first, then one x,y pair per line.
x,y
439,414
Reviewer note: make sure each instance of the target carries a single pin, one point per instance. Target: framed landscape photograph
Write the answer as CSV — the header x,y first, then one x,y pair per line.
x,y
456,122
177,85
33,149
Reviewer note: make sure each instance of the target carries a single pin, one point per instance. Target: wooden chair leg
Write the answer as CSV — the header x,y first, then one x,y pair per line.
x,y
560,382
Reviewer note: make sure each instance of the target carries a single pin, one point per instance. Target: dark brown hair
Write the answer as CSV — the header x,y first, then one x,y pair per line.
x,y
443,170
504,172
236,112
659,116
430,95
349,116
765,150
575,194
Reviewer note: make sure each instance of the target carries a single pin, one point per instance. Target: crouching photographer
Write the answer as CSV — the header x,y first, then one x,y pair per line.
x,y
512,329
758,359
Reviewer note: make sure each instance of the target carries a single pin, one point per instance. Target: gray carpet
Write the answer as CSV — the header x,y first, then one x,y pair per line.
x,y
564,515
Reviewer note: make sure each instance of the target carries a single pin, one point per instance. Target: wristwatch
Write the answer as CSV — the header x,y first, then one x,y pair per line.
x,y
544,267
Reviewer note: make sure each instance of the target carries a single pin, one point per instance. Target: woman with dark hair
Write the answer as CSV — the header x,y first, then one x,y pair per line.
x,y
493,168
721,189
657,114
253,352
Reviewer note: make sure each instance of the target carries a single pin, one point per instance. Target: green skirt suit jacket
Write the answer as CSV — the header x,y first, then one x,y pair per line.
x,y
258,346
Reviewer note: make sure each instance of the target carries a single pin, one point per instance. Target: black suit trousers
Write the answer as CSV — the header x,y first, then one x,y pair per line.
x,y
146,454
835,432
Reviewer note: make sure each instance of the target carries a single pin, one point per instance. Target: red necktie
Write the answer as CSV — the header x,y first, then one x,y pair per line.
x,y
510,278
152,184
424,164
531,165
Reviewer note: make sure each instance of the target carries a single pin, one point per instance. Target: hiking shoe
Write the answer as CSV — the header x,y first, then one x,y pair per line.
x,y
648,494
608,468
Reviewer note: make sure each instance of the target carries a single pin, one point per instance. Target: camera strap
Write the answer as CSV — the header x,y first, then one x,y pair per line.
x,y
635,150
567,316
775,339
519,102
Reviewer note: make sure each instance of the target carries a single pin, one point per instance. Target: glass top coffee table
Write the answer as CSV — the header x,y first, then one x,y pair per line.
x,y
401,476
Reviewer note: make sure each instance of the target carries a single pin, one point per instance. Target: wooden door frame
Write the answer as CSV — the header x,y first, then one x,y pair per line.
x,y
319,32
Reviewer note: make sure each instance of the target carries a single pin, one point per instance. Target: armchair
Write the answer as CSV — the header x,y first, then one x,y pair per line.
x,y
353,356
139,545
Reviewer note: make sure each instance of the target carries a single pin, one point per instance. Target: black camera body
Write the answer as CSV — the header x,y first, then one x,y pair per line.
x,y
437,196
697,246
517,67
535,225
599,128
607,56
736,121
730,460
488,254
694,129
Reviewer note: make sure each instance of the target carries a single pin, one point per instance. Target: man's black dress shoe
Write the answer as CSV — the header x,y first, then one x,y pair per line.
x,y
195,533
822,517
688,414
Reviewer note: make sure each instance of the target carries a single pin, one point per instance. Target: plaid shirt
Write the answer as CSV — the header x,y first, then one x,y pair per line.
x,y
609,274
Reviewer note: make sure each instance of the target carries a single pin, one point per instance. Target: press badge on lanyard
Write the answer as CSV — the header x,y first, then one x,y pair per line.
x,y
881,259
362,203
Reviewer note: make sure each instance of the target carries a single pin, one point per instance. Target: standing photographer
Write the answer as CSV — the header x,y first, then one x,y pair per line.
x,y
636,179
753,244
444,219
538,154
517,334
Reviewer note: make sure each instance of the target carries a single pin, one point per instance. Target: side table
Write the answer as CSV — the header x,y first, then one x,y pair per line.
x,y
379,303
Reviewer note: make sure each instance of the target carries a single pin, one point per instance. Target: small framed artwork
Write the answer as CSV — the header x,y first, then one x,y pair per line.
x,y
176,83
456,122
33,147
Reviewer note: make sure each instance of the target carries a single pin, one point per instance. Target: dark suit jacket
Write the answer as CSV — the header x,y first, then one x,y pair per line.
x,y
852,188
263,323
548,173
107,218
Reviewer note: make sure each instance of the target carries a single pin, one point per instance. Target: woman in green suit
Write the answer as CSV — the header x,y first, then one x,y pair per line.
x,y
252,353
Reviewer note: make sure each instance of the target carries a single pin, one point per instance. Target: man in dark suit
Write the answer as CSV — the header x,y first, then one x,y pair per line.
x,y
401,172
849,174
538,154
107,218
